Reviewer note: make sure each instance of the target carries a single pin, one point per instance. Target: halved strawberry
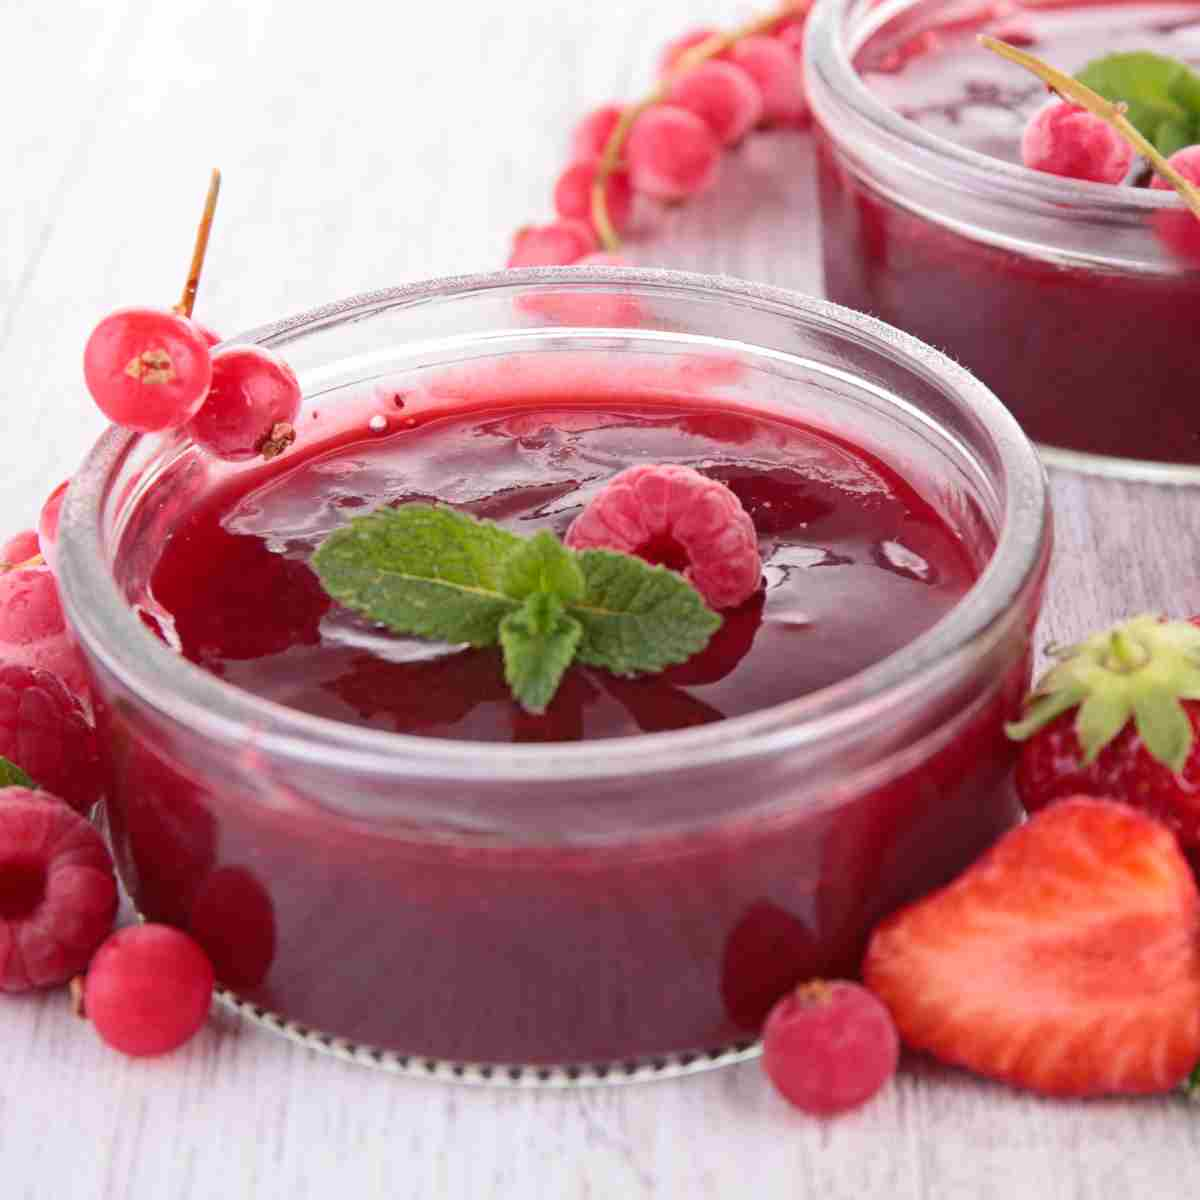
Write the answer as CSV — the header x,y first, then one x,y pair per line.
x,y
1066,960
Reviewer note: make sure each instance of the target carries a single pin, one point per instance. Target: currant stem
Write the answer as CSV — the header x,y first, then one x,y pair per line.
x,y
188,299
1111,114
693,57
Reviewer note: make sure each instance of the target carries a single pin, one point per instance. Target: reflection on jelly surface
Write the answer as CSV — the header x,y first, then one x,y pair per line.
x,y
856,564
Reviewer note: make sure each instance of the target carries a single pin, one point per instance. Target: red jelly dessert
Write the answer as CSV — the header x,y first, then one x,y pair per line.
x,y
370,837
1057,293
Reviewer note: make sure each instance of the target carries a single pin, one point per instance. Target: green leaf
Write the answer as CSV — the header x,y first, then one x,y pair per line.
x,y
421,570
1162,95
1191,1085
542,564
636,617
539,642
12,776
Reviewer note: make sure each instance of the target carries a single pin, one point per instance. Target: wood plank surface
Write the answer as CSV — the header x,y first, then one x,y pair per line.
x,y
364,145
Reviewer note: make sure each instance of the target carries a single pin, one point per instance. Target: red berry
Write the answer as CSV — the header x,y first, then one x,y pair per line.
x,y
722,95
1066,960
672,153
1063,139
148,989
147,368
774,67
251,406
791,34
44,731
1139,676
592,133
1180,231
673,515
558,244
673,49
48,522
829,1047
33,630
210,336
573,195
20,548
58,896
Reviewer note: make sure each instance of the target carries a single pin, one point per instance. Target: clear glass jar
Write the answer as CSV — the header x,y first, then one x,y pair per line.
x,y
449,906
1057,293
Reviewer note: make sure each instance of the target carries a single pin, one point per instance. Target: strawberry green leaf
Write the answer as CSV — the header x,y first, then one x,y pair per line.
x,y
542,564
539,642
1191,1085
12,776
421,570
1161,95
636,617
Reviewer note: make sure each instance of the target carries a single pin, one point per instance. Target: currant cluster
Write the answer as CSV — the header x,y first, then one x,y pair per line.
x,y
713,90
151,369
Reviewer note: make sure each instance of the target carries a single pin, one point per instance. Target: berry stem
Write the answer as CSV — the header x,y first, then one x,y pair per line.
x,y
1110,113
693,57
188,300
36,561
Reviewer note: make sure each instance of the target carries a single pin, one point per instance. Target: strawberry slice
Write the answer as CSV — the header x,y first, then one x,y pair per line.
x,y
1066,960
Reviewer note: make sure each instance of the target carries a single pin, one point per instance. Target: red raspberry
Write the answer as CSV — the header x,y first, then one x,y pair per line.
x,y
58,895
673,515
1180,231
1064,139
44,731
722,95
20,548
829,1047
33,631
573,195
558,244
148,990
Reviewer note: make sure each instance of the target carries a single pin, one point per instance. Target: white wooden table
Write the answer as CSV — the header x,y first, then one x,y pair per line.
x,y
365,144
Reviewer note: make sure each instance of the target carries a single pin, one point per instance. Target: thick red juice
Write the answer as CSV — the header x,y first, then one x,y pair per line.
x,y
1089,358
503,931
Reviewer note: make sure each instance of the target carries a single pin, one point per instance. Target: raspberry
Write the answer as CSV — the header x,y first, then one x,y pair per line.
x,y
592,133
1064,139
573,195
148,989
1180,231
33,631
673,515
20,548
773,66
829,1047
58,895
722,95
557,244
672,153
48,522
44,731
673,49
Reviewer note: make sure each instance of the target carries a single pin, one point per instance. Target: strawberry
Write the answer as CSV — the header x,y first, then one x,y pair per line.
x,y
1065,960
1117,716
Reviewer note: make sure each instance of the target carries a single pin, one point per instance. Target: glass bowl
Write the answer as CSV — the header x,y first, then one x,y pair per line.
x,y
607,910
1057,293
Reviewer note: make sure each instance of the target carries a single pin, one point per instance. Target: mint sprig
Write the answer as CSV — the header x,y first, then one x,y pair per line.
x,y
12,776
432,572
1161,95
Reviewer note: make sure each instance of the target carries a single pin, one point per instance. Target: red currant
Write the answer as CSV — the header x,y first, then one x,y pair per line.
x,y
774,68
686,41
210,335
828,1047
558,244
148,989
592,133
251,406
48,522
19,548
722,95
1180,231
573,194
672,153
147,368
1064,139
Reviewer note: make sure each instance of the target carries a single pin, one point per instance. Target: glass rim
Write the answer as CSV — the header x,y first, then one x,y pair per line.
x,y
215,709
828,58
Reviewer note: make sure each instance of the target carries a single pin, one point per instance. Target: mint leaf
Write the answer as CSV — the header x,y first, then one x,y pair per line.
x,y
542,564
636,617
1162,95
421,570
539,642
12,776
